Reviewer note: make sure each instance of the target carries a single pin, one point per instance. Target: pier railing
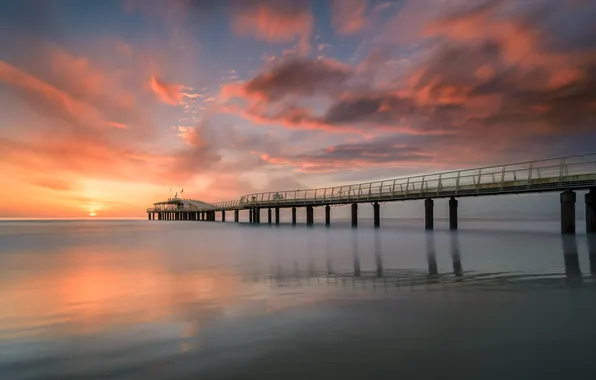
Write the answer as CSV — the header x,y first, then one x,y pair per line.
x,y
577,171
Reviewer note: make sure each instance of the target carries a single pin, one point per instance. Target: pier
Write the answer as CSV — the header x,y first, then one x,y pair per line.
x,y
562,174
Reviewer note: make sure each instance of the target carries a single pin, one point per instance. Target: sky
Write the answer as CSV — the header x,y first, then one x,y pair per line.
x,y
107,105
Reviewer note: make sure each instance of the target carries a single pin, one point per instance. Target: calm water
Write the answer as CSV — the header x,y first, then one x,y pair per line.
x,y
196,300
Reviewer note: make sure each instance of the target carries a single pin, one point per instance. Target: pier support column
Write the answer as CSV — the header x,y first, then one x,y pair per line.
x,y
269,221
223,215
310,213
453,213
293,216
568,212
257,215
251,215
591,211
236,216
354,214
327,215
429,205
148,216
277,215
377,214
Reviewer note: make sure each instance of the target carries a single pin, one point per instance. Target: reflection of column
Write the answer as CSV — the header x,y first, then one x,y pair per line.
x,y
328,253
378,254
592,253
355,254
571,258
431,254
455,256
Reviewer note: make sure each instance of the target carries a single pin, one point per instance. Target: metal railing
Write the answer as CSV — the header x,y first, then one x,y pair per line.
x,y
577,171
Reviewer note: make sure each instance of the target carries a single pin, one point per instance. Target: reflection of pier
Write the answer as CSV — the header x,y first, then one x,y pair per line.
x,y
379,275
564,174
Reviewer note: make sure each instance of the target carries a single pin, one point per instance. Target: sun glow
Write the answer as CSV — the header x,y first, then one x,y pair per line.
x,y
92,213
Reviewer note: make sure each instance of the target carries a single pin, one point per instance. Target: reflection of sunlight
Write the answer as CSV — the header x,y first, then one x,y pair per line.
x,y
99,290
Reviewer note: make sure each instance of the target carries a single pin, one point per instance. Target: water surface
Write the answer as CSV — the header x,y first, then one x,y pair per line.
x,y
190,300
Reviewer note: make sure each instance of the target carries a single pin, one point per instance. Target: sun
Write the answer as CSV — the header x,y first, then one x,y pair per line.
x,y
92,213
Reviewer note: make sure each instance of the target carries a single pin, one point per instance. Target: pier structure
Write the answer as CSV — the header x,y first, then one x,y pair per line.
x,y
562,174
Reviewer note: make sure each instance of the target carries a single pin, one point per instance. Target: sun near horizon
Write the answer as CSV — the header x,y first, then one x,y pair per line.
x,y
231,98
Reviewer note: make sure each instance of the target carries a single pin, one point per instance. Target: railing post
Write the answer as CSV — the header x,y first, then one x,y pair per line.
x,y
503,177
422,185
530,175
457,182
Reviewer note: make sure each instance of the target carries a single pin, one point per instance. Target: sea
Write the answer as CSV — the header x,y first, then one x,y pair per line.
x,y
139,299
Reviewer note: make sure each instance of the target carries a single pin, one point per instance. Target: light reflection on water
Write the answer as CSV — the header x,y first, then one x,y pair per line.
x,y
186,299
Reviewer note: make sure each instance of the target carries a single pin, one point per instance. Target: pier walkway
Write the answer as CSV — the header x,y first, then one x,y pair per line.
x,y
564,174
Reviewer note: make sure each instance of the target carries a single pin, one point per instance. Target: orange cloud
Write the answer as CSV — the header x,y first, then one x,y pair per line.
x,y
169,93
53,102
348,16
275,22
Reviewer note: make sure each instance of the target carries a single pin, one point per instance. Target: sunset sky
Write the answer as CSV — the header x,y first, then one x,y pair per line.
x,y
106,105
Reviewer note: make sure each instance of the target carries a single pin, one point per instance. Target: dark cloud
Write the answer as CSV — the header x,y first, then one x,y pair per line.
x,y
300,77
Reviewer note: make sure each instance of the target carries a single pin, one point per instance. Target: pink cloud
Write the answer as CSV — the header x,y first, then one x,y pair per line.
x,y
275,21
348,16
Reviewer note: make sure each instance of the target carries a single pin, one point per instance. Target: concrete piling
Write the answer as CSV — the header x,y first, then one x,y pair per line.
x,y
236,216
293,216
277,215
251,215
327,215
591,211
269,215
453,213
310,216
428,214
354,214
377,214
223,215
568,212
